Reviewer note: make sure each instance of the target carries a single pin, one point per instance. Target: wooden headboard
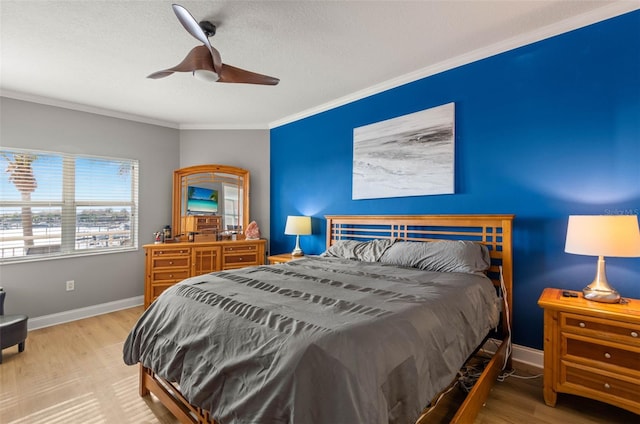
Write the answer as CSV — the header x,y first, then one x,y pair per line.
x,y
494,231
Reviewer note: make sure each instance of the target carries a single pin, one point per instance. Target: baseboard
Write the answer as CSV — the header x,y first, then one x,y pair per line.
x,y
89,311
529,357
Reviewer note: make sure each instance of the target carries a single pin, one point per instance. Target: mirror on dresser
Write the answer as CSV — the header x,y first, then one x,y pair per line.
x,y
210,202
210,215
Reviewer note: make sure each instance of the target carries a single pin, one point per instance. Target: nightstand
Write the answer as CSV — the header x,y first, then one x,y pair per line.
x,y
281,258
591,349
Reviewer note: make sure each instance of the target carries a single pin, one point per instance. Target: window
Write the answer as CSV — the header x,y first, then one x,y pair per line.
x,y
232,206
57,204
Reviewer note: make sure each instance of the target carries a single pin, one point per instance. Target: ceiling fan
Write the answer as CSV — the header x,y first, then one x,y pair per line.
x,y
204,61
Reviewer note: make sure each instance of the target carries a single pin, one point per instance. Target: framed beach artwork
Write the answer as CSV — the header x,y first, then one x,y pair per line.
x,y
411,155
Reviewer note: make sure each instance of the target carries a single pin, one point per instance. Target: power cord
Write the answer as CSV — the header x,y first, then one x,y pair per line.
x,y
470,375
512,373
433,404
503,287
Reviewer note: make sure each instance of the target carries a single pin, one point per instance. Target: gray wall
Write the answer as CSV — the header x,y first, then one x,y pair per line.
x,y
38,288
248,149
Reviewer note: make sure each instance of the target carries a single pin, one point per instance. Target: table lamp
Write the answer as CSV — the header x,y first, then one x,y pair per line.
x,y
298,226
603,235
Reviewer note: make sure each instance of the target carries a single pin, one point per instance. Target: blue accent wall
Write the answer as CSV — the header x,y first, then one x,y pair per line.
x,y
543,131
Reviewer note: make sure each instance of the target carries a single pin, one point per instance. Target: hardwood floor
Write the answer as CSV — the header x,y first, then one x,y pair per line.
x,y
73,373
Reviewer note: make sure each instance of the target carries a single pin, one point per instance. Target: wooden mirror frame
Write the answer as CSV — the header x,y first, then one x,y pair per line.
x,y
180,174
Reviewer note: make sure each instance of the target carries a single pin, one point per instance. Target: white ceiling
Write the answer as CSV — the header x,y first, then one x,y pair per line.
x,y
94,55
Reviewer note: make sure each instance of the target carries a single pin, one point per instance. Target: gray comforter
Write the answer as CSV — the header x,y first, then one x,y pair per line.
x,y
316,340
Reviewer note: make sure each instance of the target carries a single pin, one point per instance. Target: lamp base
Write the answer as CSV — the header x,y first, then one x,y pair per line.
x,y
296,250
599,290
603,296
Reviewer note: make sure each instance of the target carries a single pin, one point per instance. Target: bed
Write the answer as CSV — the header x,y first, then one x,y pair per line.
x,y
369,332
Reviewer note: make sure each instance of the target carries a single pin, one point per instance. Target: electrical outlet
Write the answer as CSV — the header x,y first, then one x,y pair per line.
x,y
71,285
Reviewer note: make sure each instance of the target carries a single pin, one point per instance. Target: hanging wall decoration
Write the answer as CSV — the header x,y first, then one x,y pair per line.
x,y
411,155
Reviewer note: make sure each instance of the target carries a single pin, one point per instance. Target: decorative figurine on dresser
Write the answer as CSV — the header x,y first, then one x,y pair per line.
x,y
210,216
592,338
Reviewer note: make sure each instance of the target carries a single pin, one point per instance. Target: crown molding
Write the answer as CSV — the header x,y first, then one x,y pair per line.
x,y
609,11
223,127
85,108
121,115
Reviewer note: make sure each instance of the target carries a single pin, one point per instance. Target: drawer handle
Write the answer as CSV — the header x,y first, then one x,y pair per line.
x,y
170,275
607,386
634,334
607,355
161,253
582,325
170,262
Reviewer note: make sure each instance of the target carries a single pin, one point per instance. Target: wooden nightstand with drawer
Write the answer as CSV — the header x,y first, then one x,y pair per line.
x,y
281,258
591,349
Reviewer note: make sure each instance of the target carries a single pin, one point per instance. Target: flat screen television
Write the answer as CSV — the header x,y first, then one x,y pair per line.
x,y
201,201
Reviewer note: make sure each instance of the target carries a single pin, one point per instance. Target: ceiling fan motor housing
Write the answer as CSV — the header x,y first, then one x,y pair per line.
x,y
208,28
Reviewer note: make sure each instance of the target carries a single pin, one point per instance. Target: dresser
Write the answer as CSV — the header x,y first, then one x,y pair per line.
x,y
168,263
591,349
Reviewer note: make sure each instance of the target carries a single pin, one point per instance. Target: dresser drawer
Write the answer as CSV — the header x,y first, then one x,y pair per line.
x,y
170,262
170,275
601,385
207,220
618,356
240,248
239,255
157,289
170,252
605,329
241,259
208,228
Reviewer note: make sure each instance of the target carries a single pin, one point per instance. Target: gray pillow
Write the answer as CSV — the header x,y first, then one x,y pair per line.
x,y
439,256
365,251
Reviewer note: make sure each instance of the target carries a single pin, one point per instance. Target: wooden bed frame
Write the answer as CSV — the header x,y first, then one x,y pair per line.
x,y
494,231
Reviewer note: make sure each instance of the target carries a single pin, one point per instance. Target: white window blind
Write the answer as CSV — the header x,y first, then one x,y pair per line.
x,y
58,204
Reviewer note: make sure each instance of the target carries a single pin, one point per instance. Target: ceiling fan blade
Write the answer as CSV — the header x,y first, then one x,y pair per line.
x,y
236,75
217,60
191,25
198,58
160,74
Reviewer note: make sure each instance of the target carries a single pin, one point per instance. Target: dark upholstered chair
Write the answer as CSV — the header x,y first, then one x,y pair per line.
x,y
13,328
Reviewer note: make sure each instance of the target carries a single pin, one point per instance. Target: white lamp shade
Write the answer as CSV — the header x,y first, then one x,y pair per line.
x,y
603,235
298,225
